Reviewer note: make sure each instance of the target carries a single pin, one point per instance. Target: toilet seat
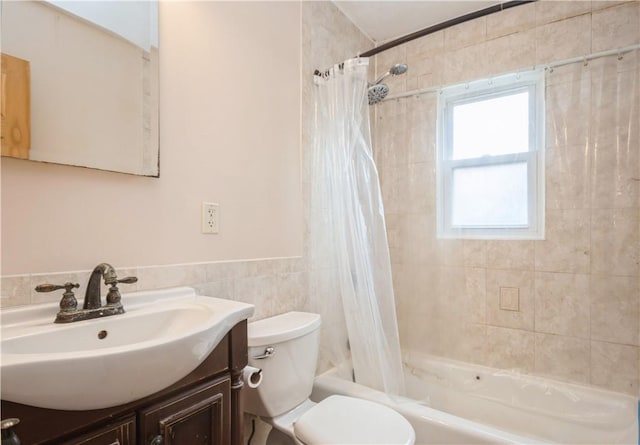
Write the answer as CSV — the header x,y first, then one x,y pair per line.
x,y
347,420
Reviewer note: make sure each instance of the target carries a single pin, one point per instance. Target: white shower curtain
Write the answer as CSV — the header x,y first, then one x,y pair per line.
x,y
347,225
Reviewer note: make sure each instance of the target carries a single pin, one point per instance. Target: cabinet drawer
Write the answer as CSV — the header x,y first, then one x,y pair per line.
x,y
200,416
120,433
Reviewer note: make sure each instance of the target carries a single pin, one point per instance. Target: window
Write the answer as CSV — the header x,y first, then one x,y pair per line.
x,y
490,164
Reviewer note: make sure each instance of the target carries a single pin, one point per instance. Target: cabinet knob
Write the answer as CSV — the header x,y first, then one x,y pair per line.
x,y
158,440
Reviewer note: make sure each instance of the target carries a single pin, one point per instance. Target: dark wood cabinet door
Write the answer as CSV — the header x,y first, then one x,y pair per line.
x,y
200,416
120,433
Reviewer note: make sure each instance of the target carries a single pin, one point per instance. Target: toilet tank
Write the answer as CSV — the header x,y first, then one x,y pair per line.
x,y
288,372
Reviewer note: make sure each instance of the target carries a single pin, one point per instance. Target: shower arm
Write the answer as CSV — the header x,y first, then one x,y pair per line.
x,y
381,78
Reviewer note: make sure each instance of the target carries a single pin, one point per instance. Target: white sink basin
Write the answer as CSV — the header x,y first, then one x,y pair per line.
x,y
104,362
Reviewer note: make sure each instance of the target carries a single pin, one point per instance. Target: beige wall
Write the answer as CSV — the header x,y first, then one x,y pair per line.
x,y
579,301
230,133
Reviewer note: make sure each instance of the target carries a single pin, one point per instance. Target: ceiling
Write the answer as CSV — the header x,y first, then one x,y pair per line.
x,y
385,20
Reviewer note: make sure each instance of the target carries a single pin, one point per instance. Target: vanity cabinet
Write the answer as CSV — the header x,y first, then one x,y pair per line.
x,y
197,417
120,433
204,408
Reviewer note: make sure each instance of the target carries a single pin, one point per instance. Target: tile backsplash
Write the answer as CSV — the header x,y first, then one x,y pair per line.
x,y
273,285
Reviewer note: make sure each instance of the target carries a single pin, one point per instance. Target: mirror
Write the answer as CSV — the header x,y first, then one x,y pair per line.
x,y
80,84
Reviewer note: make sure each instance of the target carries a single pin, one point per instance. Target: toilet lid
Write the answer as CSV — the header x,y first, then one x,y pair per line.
x,y
347,420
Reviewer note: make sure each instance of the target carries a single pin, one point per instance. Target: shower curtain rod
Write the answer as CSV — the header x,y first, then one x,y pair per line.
x,y
430,30
620,52
443,25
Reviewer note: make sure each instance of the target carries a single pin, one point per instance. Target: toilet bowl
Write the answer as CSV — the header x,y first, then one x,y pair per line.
x,y
285,347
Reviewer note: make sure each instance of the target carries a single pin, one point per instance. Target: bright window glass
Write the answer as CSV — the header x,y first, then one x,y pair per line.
x,y
491,127
491,196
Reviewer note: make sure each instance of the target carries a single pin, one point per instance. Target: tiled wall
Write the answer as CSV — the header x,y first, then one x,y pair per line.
x,y
578,313
272,285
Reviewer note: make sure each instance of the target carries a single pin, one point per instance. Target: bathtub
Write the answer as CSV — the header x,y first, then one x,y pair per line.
x,y
459,403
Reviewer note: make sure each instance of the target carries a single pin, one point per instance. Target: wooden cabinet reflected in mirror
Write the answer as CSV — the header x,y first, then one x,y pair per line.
x,y
81,93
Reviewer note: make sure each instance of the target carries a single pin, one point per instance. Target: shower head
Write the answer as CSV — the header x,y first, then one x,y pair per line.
x,y
398,68
395,70
377,93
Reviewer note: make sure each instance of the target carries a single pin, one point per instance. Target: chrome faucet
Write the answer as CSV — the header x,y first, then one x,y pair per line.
x,y
92,307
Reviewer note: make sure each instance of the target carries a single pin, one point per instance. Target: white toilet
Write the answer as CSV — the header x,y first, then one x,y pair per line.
x,y
285,347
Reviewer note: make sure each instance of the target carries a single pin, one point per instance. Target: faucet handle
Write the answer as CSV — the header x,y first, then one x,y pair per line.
x,y
68,302
51,287
113,297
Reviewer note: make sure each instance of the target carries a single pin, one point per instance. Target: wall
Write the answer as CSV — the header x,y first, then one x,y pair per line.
x,y
579,300
230,120
225,268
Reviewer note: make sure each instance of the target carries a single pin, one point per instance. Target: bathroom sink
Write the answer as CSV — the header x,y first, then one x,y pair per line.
x,y
104,362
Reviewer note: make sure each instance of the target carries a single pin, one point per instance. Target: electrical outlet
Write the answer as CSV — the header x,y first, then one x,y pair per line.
x,y
210,217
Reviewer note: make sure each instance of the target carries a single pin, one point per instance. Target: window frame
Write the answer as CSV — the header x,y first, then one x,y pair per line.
x,y
449,97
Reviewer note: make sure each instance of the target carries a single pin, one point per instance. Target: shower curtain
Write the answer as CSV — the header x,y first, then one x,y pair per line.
x,y
347,232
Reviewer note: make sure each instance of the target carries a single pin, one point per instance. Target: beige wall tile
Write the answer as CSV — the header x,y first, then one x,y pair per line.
x,y
450,252
468,343
475,253
258,291
615,99
511,52
510,349
421,116
553,10
615,367
511,20
562,357
616,27
563,39
568,108
218,289
511,254
424,335
291,291
466,64
426,46
421,187
425,71
476,295
418,238
465,34
523,281
568,178
567,244
614,181
15,290
394,184
158,277
562,304
615,309
615,241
